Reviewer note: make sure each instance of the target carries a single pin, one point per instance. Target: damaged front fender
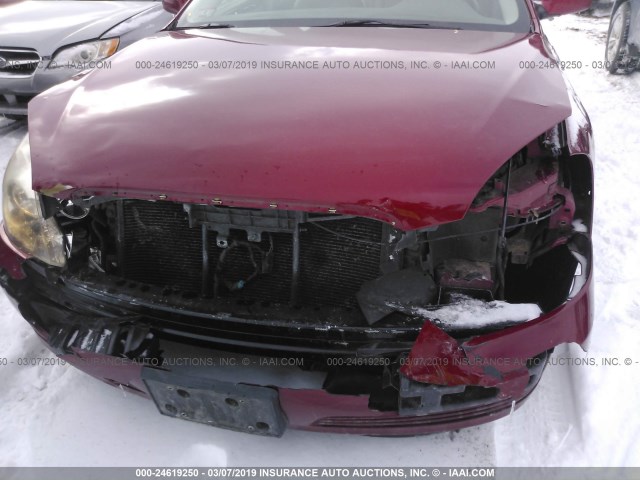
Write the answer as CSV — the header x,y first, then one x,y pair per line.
x,y
498,359
440,359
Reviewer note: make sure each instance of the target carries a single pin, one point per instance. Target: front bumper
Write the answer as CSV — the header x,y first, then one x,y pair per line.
x,y
17,91
126,346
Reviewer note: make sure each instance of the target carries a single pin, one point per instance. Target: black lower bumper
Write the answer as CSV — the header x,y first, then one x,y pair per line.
x,y
126,345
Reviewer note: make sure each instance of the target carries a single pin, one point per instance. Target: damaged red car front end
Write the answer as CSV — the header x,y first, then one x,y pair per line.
x,y
383,252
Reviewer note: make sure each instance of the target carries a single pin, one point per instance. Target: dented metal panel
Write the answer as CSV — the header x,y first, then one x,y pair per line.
x,y
227,151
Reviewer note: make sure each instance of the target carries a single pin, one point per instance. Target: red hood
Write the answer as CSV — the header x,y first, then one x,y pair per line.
x,y
407,146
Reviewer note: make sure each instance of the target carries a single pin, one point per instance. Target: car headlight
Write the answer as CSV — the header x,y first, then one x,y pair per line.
x,y
24,223
85,53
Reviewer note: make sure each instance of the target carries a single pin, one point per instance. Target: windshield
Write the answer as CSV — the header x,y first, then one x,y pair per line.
x,y
496,15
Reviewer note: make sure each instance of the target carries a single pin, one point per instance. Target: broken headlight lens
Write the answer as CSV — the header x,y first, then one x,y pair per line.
x,y
24,224
85,53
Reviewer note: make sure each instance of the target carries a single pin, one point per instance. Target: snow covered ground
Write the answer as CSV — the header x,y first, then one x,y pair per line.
x,y
579,415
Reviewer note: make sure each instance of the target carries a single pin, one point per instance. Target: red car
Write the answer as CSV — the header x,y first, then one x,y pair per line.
x,y
359,216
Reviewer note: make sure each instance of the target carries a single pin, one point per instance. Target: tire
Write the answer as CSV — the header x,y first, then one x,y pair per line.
x,y
616,52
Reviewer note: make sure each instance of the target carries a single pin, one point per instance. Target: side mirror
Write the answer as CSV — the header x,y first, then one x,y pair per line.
x,y
173,6
549,8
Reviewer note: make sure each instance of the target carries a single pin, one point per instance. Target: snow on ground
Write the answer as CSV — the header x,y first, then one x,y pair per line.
x,y
579,415
586,415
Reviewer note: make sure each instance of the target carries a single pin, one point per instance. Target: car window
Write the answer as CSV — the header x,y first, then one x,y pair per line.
x,y
509,15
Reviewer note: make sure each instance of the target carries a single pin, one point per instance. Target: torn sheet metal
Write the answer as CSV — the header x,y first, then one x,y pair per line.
x,y
439,359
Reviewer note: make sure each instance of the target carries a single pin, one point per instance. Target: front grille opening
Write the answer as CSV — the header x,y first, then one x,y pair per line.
x,y
18,62
157,244
351,270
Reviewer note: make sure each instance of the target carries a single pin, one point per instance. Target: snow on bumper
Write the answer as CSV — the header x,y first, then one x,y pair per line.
x,y
438,365
498,359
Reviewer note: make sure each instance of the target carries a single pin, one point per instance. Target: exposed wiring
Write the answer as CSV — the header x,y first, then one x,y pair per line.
x,y
259,268
547,215
502,253
346,237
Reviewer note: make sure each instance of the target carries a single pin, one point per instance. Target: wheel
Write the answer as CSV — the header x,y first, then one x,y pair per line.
x,y
616,59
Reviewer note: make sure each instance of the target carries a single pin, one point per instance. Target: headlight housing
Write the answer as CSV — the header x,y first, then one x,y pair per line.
x,y
84,53
24,223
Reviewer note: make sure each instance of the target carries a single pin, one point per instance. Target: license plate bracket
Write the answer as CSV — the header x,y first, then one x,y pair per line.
x,y
243,408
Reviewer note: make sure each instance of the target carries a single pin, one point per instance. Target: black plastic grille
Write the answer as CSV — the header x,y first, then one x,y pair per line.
x,y
18,62
336,258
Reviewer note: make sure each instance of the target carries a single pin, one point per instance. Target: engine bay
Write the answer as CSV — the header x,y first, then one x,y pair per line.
x,y
511,258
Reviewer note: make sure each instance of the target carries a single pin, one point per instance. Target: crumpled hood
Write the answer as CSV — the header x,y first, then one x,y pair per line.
x,y
405,145
48,25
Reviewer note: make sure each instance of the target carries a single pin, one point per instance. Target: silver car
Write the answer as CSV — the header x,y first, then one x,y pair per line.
x,y
45,42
